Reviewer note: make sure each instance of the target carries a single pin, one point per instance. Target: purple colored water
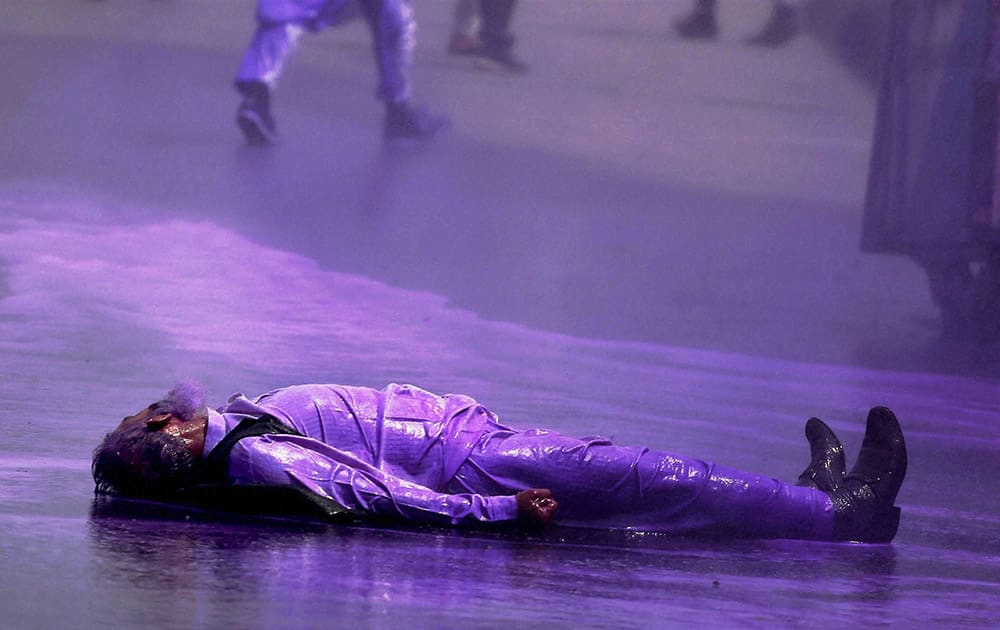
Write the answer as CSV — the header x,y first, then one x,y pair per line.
x,y
98,317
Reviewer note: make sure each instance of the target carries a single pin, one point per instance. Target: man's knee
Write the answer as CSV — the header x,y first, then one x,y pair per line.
x,y
390,20
304,12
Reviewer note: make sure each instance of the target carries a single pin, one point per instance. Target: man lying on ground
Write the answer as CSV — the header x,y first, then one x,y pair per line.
x,y
406,454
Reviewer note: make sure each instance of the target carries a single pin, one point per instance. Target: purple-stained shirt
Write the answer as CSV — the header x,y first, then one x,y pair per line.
x,y
388,451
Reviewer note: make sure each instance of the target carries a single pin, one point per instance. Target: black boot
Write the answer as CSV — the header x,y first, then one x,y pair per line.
x,y
404,122
254,113
497,40
500,51
864,502
700,23
779,30
827,468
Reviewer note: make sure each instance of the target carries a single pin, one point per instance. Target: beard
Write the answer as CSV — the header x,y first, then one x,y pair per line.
x,y
187,399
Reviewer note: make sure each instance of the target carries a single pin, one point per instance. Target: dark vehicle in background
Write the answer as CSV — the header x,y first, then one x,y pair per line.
x,y
933,193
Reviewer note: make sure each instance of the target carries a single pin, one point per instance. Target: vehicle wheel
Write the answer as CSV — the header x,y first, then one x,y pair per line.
x,y
968,293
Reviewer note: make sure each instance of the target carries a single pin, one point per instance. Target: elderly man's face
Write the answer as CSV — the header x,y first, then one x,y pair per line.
x,y
191,431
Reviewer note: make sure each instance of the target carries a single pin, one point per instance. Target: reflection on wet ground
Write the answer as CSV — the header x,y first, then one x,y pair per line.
x,y
93,334
369,573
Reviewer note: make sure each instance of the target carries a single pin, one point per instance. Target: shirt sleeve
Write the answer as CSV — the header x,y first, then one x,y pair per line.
x,y
310,464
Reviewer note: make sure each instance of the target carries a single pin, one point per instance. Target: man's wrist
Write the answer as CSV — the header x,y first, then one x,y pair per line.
x,y
502,508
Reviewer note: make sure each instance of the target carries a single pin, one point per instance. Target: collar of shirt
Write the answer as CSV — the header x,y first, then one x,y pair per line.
x,y
215,431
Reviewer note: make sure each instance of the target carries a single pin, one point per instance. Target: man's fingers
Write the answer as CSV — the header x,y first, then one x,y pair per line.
x,y
536,505
545,503
545,508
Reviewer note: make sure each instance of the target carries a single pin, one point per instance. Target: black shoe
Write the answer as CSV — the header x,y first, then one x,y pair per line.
x,y
779,30
254,113
502,55
827,468
699,24
405,122
464,45
864,503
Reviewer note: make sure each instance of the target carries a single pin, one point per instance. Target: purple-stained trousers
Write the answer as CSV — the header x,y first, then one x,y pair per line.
x,y
280,23
599,484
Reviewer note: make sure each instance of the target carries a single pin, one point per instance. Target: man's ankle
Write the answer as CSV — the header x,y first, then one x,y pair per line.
x,y
251,87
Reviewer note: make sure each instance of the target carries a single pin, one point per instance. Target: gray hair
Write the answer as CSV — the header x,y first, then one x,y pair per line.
x,y
186,400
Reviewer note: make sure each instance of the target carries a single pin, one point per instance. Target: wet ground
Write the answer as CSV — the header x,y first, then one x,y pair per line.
x,y
642,237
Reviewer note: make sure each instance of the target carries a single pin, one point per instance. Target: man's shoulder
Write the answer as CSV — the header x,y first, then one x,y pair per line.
x,y
349,392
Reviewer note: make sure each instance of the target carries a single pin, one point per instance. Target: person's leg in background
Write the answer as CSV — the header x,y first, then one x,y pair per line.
x,y
262,64
393,39
781,27
279,25
464,38
495,35
700,23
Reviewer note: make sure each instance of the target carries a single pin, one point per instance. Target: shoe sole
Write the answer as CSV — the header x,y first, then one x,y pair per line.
x,y
437,128
254,129
495,66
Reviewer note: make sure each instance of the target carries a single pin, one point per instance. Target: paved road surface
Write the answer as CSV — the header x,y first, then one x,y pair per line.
x,y
632,186
643,237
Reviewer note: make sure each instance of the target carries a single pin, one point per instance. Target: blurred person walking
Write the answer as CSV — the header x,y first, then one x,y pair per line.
x,y
702,23
465,28
481,29
280,23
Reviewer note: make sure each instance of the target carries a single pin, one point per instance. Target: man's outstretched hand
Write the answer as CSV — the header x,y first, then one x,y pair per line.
x,y
536,506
